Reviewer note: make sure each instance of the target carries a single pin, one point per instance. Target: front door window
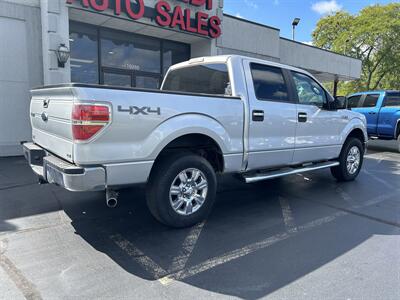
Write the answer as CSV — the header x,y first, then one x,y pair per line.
x,y
309,91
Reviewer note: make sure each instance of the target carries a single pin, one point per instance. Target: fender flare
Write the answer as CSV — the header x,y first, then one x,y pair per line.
x,y
355,123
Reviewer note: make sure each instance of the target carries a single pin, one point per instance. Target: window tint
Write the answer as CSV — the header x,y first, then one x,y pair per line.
x,y
308,90
269,83
370,100
392,99
353,101
205,79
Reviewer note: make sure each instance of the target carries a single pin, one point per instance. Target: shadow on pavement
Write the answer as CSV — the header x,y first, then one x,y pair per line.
x,y
6,227
381,145
242,217
244,248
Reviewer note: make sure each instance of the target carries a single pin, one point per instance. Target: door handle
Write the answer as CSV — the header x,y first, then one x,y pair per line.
x,y
372,113
302,117
257,115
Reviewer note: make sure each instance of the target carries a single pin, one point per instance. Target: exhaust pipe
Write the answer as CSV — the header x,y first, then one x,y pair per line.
x,y
111,198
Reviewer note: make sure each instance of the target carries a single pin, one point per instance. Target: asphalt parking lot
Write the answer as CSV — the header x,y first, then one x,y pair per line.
x,y
300,237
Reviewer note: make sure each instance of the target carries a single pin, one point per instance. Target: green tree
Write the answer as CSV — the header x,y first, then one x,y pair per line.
x,y
373,36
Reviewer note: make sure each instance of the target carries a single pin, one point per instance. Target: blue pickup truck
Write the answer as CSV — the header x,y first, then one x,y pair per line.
x,y
382,110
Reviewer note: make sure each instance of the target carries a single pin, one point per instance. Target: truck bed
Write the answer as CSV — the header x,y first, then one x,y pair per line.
x,y
142,121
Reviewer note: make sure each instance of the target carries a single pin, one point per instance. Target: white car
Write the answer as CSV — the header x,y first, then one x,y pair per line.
x,y
223,114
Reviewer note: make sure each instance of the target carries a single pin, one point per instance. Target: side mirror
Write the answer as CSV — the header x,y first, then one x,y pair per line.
x,y
340,102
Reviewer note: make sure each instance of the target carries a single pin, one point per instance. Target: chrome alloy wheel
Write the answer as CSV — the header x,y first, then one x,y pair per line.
x,y
353,160
188,191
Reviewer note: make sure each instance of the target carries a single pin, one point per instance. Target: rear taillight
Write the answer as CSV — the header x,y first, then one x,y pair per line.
x,y
88,120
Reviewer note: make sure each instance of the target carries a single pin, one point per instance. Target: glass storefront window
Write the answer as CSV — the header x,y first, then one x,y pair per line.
x,y
117,79
84,55
126,59
147,82
174,53
126,51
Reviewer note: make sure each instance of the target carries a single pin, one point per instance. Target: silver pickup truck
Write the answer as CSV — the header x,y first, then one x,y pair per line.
x,y
223,114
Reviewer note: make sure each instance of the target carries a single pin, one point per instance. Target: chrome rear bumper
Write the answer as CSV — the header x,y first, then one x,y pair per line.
x,y
52,169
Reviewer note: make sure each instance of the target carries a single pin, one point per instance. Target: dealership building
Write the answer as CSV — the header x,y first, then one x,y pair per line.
x,y
128,43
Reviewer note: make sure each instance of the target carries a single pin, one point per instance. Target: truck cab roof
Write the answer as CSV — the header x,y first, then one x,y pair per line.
x,y
226,58
374,92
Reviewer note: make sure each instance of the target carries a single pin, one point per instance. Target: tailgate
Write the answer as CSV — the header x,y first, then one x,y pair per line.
x,y
51,110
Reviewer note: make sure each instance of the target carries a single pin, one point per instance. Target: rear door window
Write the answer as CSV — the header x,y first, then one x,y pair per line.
x,y
370,100
210,79
354,101
392,99
269,83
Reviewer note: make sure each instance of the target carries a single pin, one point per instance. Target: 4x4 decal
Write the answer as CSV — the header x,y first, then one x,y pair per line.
x,y
145,110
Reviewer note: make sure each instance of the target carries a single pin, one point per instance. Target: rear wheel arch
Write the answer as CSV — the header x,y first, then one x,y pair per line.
x,y
196,143
397,129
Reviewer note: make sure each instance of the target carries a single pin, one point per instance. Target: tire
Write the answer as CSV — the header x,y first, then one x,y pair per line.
x,y
343,172
398,143
398,137
193,199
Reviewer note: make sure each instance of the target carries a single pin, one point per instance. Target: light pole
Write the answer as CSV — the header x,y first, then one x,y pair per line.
x,y
295,22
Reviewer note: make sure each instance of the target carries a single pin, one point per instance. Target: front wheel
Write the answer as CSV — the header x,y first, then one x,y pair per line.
x,y
181,190
398,142
350,159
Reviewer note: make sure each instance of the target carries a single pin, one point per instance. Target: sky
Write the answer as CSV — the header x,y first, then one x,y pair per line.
x,y
280,13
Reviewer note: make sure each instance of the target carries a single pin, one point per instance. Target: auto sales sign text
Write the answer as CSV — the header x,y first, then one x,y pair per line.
x,y
164,14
